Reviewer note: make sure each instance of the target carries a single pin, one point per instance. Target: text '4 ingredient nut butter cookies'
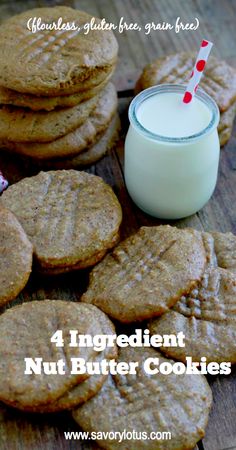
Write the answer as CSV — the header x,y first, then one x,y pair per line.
x,y
15,257
218,80
207,315
54,62
72,218
144,403
26,332
147,273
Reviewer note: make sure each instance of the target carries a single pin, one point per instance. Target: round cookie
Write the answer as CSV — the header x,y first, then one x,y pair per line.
x,y
71,217
35,103
148,403
219,79
16,257
23,125
106,141
207,315
26,331
54,62
78,140
147,273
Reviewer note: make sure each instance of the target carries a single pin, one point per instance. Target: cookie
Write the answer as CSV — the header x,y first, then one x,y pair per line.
x,y
218,80
54,62
143,403
225,126
72,218
23,125
147,273
35,103
207,316
78,140
16,257
84,390
26,332
106,141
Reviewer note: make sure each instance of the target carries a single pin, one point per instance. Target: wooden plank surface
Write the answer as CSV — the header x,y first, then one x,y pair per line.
x,y
20,431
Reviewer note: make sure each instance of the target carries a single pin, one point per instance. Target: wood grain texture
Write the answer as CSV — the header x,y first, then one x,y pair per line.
x,y
19,431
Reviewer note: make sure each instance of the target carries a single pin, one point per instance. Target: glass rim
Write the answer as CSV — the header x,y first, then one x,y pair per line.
x,y
159,88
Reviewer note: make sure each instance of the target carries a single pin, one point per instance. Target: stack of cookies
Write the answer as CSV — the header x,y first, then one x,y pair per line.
x,y
58,106
218,80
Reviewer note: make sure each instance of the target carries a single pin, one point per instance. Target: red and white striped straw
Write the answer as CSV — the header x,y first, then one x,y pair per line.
x,y
197,71
3,182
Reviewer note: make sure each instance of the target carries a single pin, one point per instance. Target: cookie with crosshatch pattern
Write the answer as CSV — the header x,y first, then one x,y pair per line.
x,y
145,403
207,315
146,274
72,218
218,80
54,62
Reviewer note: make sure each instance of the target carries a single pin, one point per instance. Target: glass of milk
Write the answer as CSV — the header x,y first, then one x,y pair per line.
x,y
171,151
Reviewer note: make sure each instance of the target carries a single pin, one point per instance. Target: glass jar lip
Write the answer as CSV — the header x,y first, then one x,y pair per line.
x,y
159,88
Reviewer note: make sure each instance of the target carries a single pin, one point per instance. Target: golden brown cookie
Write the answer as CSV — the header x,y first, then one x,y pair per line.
x,y
143,403
218,80
207,316
147,273
225,126
16,257
106,141
36,103
78,140
72,218
26,332
54,62
23,125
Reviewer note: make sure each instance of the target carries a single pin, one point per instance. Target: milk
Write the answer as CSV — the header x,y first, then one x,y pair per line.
x,y
166,114
171,151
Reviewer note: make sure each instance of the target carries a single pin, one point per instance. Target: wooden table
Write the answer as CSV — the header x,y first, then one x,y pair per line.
x,y
20,431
